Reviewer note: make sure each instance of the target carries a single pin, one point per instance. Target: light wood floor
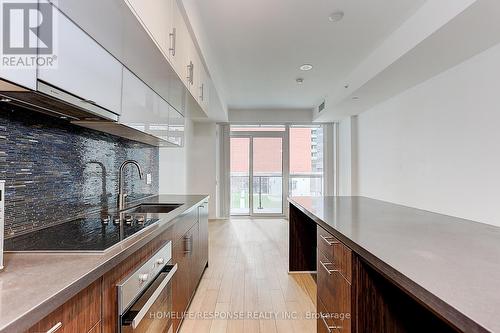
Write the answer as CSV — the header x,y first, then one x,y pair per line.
x,y
247,273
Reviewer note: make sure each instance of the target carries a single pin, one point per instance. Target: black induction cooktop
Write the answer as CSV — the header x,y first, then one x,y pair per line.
x,y
85,234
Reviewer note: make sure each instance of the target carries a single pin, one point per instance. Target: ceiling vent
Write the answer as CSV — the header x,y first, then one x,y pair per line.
x,y
321,107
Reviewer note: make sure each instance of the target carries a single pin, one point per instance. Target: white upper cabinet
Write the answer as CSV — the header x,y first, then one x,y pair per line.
x,y
165,23
84,68
200,87
142,108
179,55
25,77
146,111
157,17
21,75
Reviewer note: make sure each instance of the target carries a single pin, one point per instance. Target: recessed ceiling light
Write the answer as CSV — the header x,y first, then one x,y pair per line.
x,y
336,16
299,80
306,67
5,100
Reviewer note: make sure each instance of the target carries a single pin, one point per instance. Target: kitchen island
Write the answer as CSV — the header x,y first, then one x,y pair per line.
x,y
78,290
390,268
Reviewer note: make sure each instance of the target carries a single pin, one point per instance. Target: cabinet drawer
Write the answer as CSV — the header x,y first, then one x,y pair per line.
x,y
334,293
336,252
182,227
79,314
324,323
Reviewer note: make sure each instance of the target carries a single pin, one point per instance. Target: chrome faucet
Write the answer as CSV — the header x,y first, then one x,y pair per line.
x,y
121,195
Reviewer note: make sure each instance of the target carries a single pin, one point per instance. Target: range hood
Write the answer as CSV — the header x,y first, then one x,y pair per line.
x,y
58,103
55,102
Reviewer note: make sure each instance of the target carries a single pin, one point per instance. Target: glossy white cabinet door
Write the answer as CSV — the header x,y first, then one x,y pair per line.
x,y
176,128
25,77
84,68
180,58
142,108
157,17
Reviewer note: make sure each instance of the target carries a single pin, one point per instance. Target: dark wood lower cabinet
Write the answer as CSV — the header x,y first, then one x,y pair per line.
x,y
181,282
334,272
95,309
191,255
354,297
80,314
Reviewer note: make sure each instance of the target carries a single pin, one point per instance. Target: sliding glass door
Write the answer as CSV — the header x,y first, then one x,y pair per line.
x,y
240,175
267,174
257,184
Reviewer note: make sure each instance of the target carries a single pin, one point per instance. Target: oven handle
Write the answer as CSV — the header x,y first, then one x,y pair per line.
x,y
143,311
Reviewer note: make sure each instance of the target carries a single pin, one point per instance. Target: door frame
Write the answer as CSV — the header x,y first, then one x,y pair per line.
x,y
284,135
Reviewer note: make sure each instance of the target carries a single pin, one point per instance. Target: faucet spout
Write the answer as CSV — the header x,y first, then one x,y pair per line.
x,y
121,194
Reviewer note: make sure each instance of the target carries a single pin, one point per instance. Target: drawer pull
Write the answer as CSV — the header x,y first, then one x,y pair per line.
x,y
329,240
329,271
55,328
328,327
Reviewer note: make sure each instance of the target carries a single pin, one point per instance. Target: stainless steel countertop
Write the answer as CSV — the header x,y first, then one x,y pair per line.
x,y
450,264
33,285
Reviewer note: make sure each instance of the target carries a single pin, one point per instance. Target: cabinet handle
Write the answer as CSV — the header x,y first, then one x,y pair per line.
x,y
89,101
55,328
328,327
201,88
329,271
190,69
173,37
328,240
188,245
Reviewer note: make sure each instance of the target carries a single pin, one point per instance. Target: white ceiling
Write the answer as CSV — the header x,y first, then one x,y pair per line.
x,y
258,45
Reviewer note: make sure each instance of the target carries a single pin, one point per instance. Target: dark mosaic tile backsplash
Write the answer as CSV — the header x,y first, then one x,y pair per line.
x,y
55,171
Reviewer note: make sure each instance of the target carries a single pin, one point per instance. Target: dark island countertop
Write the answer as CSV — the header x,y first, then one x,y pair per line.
x,y
450,264
33,284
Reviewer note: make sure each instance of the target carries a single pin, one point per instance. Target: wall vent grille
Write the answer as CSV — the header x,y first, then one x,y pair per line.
x,y
321,107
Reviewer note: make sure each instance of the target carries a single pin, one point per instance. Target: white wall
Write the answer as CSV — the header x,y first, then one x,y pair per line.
x,y
347,155
437,145
270,116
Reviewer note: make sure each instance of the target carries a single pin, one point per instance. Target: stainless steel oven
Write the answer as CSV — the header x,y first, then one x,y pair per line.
x,y
145,296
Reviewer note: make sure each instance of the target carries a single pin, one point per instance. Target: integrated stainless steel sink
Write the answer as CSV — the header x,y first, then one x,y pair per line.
x,y
152,208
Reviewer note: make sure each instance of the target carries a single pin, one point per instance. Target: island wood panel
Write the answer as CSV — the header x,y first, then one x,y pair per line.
x,y
80,314
382,307
302,242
